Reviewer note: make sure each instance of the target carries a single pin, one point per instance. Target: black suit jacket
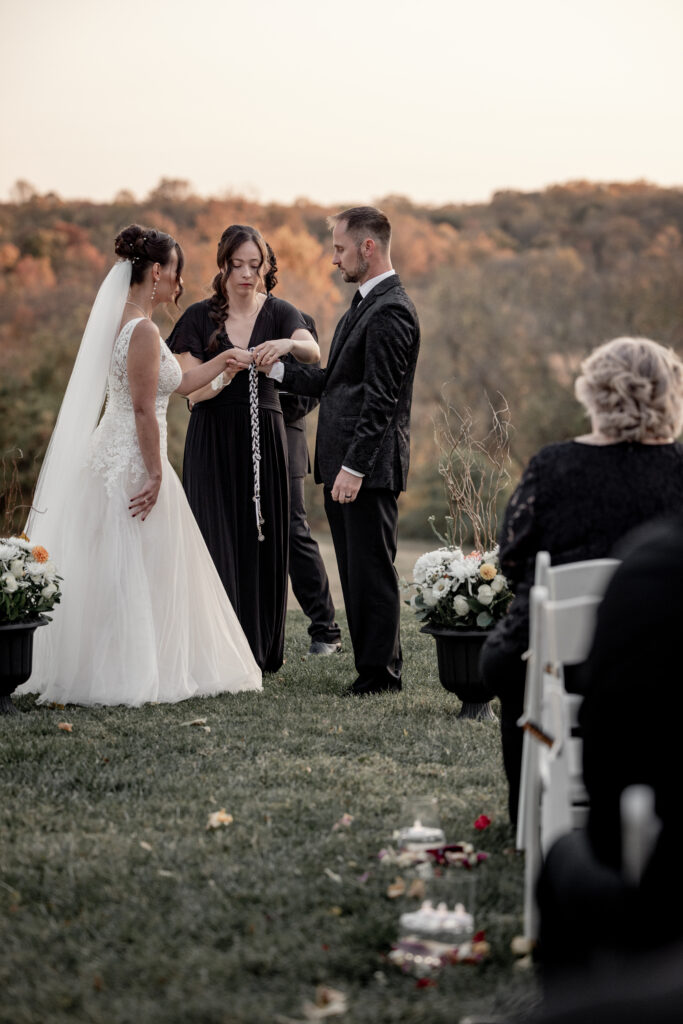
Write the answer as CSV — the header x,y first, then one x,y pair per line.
x,y
366,390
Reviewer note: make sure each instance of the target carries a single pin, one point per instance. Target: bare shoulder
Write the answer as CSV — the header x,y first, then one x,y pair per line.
x,y
145,333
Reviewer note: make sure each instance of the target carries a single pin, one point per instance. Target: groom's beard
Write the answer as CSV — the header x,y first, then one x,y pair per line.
x,y
353,276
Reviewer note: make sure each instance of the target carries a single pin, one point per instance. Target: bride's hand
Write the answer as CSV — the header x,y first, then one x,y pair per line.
x,y
142,503
267,354
237,359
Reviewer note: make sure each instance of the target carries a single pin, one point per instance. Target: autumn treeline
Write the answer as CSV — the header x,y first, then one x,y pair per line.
x,y
511,295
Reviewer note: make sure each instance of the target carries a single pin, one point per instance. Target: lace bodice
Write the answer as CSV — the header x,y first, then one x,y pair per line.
x,y
114,450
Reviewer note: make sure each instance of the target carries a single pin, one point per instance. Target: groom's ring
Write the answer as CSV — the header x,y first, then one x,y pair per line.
x,y
348,495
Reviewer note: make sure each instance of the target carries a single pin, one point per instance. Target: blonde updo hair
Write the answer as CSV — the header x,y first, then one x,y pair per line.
x,y
633,390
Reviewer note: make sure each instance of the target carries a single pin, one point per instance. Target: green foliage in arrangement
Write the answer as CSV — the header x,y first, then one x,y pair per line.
x,y
512,294
118,904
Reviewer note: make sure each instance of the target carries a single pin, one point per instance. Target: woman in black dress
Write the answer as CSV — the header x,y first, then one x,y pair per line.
x,y
235,465
577,498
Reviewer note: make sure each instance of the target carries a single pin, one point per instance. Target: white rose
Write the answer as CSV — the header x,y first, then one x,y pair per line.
x,y
35,569
16,567
9,582
485,594
498,584
460,604
49,590
429,598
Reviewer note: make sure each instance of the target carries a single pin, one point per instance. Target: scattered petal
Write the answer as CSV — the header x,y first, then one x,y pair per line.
x,y
218,818
195,721
416,890
336,911
165,874
343,822
329,1002
364,877
333,876
397,888
145,846
65,726
521,945
425,983
482,822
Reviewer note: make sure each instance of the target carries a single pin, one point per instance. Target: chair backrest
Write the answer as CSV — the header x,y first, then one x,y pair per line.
x,y
575,579
567,630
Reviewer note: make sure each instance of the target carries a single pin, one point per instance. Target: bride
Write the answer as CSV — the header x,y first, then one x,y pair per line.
x,y
144,615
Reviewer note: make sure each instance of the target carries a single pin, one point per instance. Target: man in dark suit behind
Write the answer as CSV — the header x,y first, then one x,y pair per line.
x,y
306,567
363,440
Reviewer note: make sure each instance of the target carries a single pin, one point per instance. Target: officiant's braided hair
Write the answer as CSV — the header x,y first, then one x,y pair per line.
x,y
146,246
231,239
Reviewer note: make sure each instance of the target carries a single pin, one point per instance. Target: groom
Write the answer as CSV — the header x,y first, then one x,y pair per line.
x,y
363,439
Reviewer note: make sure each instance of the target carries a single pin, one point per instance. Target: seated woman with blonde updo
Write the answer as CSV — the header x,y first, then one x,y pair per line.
x,y
577,498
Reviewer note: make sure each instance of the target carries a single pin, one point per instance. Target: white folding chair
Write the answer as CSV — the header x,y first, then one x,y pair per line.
x,y
552,797
561,582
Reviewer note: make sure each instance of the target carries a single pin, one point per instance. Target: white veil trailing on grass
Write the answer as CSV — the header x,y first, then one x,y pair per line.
x,y
80,411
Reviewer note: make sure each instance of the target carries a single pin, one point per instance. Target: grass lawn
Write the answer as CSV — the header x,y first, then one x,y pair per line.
x,y
117,905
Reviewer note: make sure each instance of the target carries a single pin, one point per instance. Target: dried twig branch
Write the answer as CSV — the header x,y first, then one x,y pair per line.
x,y
475,471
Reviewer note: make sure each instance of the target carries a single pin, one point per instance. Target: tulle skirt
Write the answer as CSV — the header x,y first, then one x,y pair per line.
x,y
143,615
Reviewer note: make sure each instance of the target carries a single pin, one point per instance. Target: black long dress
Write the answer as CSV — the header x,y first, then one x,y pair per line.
x,y
218,478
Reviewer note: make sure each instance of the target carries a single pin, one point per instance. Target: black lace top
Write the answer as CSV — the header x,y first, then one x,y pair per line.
x,y
576,501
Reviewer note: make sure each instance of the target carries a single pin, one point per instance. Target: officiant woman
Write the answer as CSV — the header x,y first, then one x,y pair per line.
x,y
235,464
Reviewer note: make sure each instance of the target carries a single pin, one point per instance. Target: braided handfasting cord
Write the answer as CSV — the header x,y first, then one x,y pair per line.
x,y
255,446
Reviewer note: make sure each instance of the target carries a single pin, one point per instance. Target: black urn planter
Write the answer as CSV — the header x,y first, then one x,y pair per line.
x,y
457,655
16,658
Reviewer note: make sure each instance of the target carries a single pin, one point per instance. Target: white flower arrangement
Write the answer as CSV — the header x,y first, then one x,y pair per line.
x,y
29,583
459,591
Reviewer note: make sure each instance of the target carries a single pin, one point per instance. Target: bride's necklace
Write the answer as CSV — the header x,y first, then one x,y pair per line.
x,y
129,302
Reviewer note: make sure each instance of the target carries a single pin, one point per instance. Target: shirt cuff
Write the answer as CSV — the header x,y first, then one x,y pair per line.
x,y
353,472
277,372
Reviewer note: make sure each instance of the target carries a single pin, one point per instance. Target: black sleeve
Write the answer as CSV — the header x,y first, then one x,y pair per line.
x,y
289,319
189,334
520,534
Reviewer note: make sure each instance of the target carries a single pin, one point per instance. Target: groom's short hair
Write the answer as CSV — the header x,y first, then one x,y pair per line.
x,y
363,222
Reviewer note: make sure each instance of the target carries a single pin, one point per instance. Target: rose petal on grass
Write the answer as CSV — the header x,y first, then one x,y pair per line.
x,y
397,888
416,889
482,822
329,1002
145,846
165,874
219,818
196,721
65,726
333,876
343,822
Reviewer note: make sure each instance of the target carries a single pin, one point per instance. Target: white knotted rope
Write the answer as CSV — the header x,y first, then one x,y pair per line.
x,y
255,446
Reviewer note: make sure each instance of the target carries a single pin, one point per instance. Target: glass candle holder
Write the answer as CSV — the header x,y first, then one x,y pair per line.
x,y
420,828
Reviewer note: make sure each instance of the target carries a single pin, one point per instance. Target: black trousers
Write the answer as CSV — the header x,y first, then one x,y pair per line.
x,y
364,533
307,570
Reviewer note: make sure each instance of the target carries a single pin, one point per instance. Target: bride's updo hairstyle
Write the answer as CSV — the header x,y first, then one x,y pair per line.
x,y
231,239
633,389
145,247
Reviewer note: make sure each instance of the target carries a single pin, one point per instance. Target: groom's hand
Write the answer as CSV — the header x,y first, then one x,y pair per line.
x,y
346,487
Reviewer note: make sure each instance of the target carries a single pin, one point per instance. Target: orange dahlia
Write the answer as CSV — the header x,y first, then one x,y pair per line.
x,y
39,553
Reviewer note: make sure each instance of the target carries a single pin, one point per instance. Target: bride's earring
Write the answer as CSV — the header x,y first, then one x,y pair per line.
x,y
154,290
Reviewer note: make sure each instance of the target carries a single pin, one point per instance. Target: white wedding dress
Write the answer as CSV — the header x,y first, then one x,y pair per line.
x,y
143,615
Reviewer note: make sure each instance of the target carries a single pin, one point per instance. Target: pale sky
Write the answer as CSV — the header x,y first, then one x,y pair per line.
x,y
438,100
